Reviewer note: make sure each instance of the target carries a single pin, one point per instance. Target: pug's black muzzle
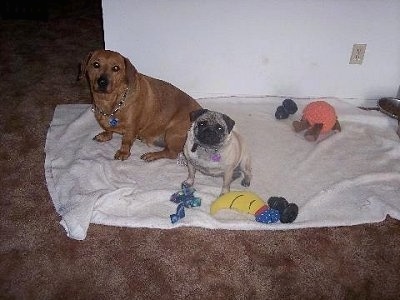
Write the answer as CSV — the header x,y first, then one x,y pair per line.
x,y
210,136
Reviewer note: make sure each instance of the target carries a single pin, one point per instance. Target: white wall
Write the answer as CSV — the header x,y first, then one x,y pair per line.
x,y
298,48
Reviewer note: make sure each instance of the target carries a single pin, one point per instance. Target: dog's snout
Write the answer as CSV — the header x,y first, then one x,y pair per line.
x,y
102,82
210,136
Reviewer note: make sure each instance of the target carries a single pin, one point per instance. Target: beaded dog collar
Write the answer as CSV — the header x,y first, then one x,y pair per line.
x,y
112,120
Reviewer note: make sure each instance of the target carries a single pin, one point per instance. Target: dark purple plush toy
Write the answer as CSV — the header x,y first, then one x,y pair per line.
x,y
288,107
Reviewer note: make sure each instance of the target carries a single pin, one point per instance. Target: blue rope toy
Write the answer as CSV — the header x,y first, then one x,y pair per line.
x,y
184,198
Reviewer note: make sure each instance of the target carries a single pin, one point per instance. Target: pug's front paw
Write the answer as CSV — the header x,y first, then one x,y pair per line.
x,y
245,182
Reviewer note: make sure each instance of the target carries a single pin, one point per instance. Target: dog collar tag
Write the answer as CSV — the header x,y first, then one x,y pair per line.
x,y
113,121
216,157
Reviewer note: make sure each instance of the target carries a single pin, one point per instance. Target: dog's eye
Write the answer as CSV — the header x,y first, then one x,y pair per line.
x,y
220,128
202,124
96,65
115,68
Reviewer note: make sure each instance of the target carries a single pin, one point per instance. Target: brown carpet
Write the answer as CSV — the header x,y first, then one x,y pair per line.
x,y
39,63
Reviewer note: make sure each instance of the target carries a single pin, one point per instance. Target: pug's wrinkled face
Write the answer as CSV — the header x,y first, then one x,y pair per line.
x,y
210,128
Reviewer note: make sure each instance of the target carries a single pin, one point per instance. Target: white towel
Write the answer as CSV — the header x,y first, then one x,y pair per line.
x,y
351,177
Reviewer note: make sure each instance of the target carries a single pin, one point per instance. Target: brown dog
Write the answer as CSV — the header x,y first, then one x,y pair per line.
x,y
136,106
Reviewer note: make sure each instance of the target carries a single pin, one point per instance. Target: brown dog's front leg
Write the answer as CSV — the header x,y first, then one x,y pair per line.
x,y
165,153
103,136
125,151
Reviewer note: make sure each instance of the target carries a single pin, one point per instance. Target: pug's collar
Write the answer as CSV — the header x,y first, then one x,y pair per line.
x,y
112,120
214,155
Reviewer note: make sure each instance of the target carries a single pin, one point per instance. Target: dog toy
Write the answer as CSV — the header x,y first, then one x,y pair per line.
x,y
277,209
184,198
318,117
287,108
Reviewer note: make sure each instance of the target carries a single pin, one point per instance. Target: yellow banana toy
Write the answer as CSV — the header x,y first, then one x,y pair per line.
x,y
278,209
246,202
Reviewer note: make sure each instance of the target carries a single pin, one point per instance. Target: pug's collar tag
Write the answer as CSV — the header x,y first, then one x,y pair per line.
x,y
216,157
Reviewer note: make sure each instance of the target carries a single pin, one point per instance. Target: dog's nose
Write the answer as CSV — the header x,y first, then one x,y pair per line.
x,y
102,82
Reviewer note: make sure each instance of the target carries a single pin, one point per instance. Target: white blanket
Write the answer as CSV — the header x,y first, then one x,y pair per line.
x,y
351,177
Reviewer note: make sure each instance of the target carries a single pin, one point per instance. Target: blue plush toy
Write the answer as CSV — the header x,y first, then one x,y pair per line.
x,y
184,198
287,108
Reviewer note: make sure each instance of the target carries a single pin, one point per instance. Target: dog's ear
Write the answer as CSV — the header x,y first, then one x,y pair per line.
x,y
130,72
197,113
229,122
83,65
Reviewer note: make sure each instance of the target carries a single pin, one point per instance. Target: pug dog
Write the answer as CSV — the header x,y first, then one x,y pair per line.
x,y
214,148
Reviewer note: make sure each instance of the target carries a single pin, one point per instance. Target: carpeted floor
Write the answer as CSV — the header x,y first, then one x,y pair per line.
x,y
38,67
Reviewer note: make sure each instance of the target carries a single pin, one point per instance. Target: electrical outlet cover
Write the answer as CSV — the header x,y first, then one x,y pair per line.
x,y
357,54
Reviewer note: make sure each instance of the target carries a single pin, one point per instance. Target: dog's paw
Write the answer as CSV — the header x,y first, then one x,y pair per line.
x,y
148,157
103,136
122,155
245,182
151,156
